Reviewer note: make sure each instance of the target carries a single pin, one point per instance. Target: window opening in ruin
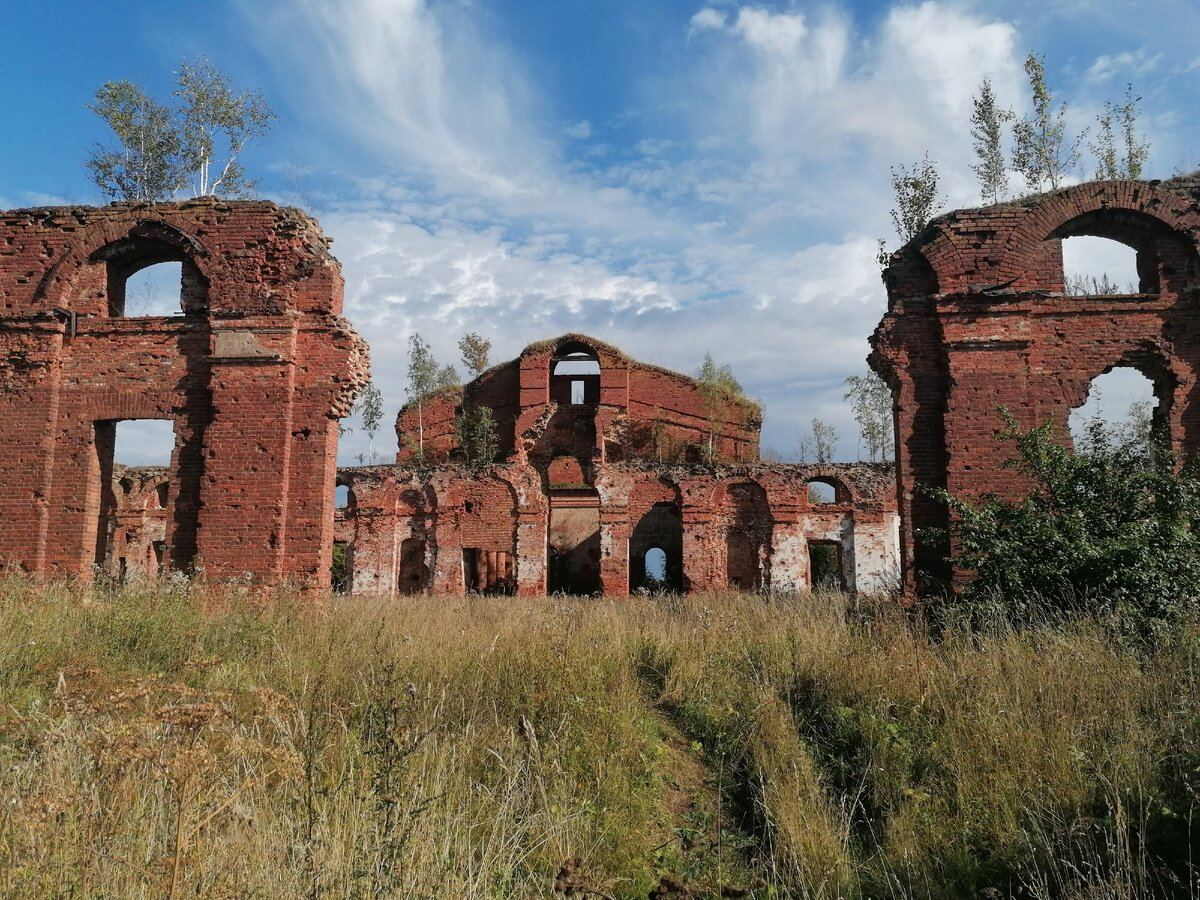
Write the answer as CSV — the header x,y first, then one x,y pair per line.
x,y
156,290
162,494
1122,402
575,376
656,550
341,570
1097,267
825,566
488,572
341,497
821,492
656,568
120,445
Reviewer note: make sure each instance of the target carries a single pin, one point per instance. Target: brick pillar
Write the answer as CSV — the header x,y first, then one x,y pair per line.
x,y
248,465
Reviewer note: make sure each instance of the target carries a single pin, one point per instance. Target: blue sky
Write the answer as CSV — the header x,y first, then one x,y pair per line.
x,y
673,177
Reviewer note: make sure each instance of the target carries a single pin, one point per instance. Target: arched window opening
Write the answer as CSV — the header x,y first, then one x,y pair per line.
x,y
1121,403
822,491
162,493
575,376
152,273
156,290
656,550
342,497
1100,267
656,567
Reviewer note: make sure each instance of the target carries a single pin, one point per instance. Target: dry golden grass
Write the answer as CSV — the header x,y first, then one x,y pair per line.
x,y
172,741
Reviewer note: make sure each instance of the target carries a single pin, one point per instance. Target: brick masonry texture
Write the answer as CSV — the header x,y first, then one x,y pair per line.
x,y
599,467
978,319
582,492
254,373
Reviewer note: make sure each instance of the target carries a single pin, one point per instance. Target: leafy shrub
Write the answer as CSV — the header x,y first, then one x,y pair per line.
x,y
1113,529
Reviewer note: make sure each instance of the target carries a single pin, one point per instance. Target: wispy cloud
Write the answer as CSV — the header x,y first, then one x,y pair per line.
x,y
734,208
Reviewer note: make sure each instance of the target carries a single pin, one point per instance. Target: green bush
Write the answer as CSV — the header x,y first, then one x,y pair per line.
x,y
1113,529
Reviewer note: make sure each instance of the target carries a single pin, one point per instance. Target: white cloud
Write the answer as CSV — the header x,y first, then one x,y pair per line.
x,y
581,130
739,218
1127,64
707,19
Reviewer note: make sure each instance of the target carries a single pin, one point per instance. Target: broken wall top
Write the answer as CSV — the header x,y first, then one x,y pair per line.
x,y
251,258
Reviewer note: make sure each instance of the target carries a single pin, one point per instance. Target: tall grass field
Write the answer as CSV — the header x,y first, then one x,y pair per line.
x,y
179,741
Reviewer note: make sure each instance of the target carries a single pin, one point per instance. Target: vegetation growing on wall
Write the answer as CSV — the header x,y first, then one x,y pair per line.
x,y
1111,527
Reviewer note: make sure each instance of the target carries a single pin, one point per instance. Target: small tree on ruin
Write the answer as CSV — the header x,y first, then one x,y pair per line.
x,y
871,401
370,410
1128,159
475,425
987,134
425,378
1044,153
717,387
192,149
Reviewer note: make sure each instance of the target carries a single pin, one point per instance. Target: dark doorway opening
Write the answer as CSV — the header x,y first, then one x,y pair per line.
x,y
825,572
414,573
573,551
488,571
341,572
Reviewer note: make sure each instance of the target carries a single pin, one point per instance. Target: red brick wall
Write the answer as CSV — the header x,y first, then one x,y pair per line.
x,y
254,377
762,512
977,319
638,410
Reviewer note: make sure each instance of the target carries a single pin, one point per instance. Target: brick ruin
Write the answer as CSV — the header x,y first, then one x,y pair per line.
x,y
253,372
601,480
600,487
979,317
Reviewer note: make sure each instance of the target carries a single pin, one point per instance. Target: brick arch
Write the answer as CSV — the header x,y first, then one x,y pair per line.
x,y
87,249
1003,244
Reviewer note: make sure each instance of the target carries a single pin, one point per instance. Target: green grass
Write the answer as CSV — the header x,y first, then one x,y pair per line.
x,y
171,741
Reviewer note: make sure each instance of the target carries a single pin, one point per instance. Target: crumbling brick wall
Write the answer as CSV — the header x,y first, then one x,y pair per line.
x,y
978,319
633,409
685,510
604,468
253,372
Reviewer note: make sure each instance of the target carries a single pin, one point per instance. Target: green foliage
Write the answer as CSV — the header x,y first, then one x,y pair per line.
x,y
1127,161
148,163
917,197
370,409
987,133
475,427
425,378
871,400
1113,529
162,150
717,387
339,570
1044,153
819,445
475,352
212,112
